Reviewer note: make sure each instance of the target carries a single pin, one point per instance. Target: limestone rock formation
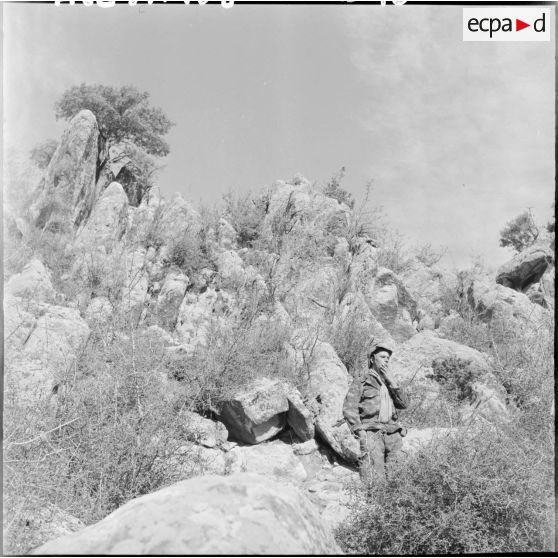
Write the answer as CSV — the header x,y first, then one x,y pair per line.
x,y
170,298
413,362
525,268
239,514
327,388
67,192
43,341
34,282
392,304
496,302
107,222
257,413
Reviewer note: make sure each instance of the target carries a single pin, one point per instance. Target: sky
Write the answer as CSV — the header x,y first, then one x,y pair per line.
x,y
456,137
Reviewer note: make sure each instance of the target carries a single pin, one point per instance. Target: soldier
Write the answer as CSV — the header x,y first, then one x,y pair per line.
x,y
370,409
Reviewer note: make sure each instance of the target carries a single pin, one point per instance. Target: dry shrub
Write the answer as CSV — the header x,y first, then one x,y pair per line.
x,y
482,491
231,358
105,438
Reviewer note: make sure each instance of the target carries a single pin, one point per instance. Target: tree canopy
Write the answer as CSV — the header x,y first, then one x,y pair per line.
x,y
123,114
519,233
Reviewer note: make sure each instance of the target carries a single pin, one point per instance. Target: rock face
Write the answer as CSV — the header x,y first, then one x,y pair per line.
x,y
67,193
525,268
170,298
328,387
392,304
257,413
414,362
240,514
33,283
42,341
496,302
107,223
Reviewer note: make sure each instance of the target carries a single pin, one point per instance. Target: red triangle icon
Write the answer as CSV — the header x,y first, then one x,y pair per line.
x,y
519,25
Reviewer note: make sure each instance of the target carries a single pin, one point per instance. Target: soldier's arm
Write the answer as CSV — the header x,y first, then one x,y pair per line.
x,y
350,407
399,396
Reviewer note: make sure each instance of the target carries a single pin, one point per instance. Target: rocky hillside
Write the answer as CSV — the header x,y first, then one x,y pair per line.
x,y
149,343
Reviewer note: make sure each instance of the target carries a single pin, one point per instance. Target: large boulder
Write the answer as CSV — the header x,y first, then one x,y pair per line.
x,y
256,413
240,514
34,282
262,409
67,193
525,268
328,384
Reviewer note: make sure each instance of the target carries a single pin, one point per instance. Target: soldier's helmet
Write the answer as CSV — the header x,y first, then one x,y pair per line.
x,y
377,347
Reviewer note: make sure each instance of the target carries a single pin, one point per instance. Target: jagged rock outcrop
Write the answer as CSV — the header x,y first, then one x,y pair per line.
x,y
240,514
34,282
328,384
42,342
67,192
196,313
498,303
298,202
525,268
170,298
107,222
392,304
414,363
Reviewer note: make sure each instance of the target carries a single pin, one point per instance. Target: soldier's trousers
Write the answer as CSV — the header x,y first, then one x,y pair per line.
x,y
378,451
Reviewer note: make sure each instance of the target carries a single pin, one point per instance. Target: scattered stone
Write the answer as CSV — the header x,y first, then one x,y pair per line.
x,y
203,431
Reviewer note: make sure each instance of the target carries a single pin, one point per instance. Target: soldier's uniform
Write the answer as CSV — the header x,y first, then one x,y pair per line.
x,y
371,406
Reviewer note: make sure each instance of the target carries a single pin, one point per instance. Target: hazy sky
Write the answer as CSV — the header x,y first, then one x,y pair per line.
x,y
457,136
